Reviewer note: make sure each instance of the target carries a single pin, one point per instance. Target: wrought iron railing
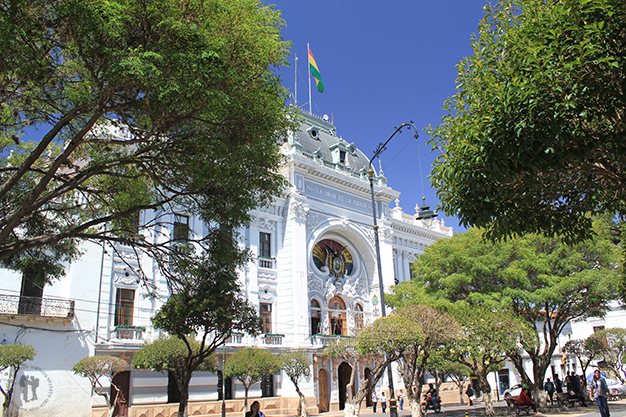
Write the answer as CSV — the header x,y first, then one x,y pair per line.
x,y
17,305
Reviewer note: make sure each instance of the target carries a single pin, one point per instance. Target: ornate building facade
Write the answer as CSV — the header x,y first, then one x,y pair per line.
x,y
314,279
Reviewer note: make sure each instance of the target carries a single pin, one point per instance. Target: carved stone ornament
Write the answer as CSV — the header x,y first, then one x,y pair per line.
x,y
299,209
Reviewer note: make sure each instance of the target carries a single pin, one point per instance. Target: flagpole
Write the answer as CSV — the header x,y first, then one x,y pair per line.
x,y
296,81
308,53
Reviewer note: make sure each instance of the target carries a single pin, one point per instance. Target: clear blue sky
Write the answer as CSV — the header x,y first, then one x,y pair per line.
x,y
383,63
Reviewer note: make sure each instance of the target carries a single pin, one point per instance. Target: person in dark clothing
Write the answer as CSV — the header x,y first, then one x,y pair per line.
x,y
432,392
576,389
549,388
255,410
470,393
558,384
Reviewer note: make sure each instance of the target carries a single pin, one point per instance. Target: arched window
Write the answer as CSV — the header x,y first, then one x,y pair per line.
x,y
337,315
316,317
358,318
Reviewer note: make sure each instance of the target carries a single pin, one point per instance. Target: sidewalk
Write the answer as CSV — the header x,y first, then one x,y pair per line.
x,y
617,409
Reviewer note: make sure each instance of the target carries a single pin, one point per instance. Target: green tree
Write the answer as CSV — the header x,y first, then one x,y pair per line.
x,y
249,365
377,346
487,337
533,139
421,331
97,367
172,354
540,280
12,357
206,305
613,342
584,350
130,106
297,365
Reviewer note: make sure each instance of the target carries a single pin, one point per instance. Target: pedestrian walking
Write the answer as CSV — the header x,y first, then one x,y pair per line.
x,y
383,402
549,388
401,397
599,392
374,401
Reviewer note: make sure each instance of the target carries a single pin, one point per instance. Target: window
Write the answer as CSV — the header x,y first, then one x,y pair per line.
x,y
124,303
316,317
358,317
265,246
267,386
266,317
342,157
181,228
30,295
337,315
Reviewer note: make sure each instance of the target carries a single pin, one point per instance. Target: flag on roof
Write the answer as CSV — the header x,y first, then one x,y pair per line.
x,y
315,72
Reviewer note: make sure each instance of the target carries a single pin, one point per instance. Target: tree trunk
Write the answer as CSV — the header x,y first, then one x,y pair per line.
x,y
462,394
245,399
416,410
184,399
302,412
351,410
485,388
8,395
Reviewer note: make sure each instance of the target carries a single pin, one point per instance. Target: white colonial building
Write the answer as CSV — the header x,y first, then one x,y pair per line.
x,y
314,279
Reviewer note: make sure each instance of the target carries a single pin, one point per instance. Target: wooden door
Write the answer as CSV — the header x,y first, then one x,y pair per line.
x,y
324,403
122,381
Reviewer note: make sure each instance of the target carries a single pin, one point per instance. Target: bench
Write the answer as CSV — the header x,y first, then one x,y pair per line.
x,y
568,400
514,406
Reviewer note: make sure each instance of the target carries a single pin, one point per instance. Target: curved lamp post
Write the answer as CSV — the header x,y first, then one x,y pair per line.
x,y
426,215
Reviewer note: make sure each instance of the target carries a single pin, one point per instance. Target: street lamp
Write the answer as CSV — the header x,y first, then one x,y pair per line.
x,y
426,215
393,411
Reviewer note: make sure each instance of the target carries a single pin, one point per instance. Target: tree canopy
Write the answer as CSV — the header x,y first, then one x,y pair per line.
x,y
111,107
538,279
534,138
94,368
249,365
13,355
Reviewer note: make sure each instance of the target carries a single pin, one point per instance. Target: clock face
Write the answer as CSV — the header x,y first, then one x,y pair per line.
x,y
332,257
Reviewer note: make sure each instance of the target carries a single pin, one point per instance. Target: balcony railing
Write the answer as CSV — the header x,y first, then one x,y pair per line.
x,y
236,338
273,339
17,305
129,333
267,263
326,339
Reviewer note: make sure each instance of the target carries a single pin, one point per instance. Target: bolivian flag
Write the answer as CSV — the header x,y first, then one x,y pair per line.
x,y
316,73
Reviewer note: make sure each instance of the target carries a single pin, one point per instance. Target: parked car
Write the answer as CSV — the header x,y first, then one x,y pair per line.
x,y
617,390
513,392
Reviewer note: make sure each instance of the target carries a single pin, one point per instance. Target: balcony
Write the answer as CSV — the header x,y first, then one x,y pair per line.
x,y
273,339
235,338
320,340
129,332
36,307
267,263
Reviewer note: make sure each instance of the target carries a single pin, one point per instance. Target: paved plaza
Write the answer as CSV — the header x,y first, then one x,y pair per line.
x,y
617,409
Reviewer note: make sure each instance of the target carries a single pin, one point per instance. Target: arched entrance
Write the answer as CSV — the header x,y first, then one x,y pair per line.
x,y
322,378
344,372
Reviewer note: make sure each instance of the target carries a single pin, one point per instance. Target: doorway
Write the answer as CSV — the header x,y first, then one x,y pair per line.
x,y
323,403
122,381
345,371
